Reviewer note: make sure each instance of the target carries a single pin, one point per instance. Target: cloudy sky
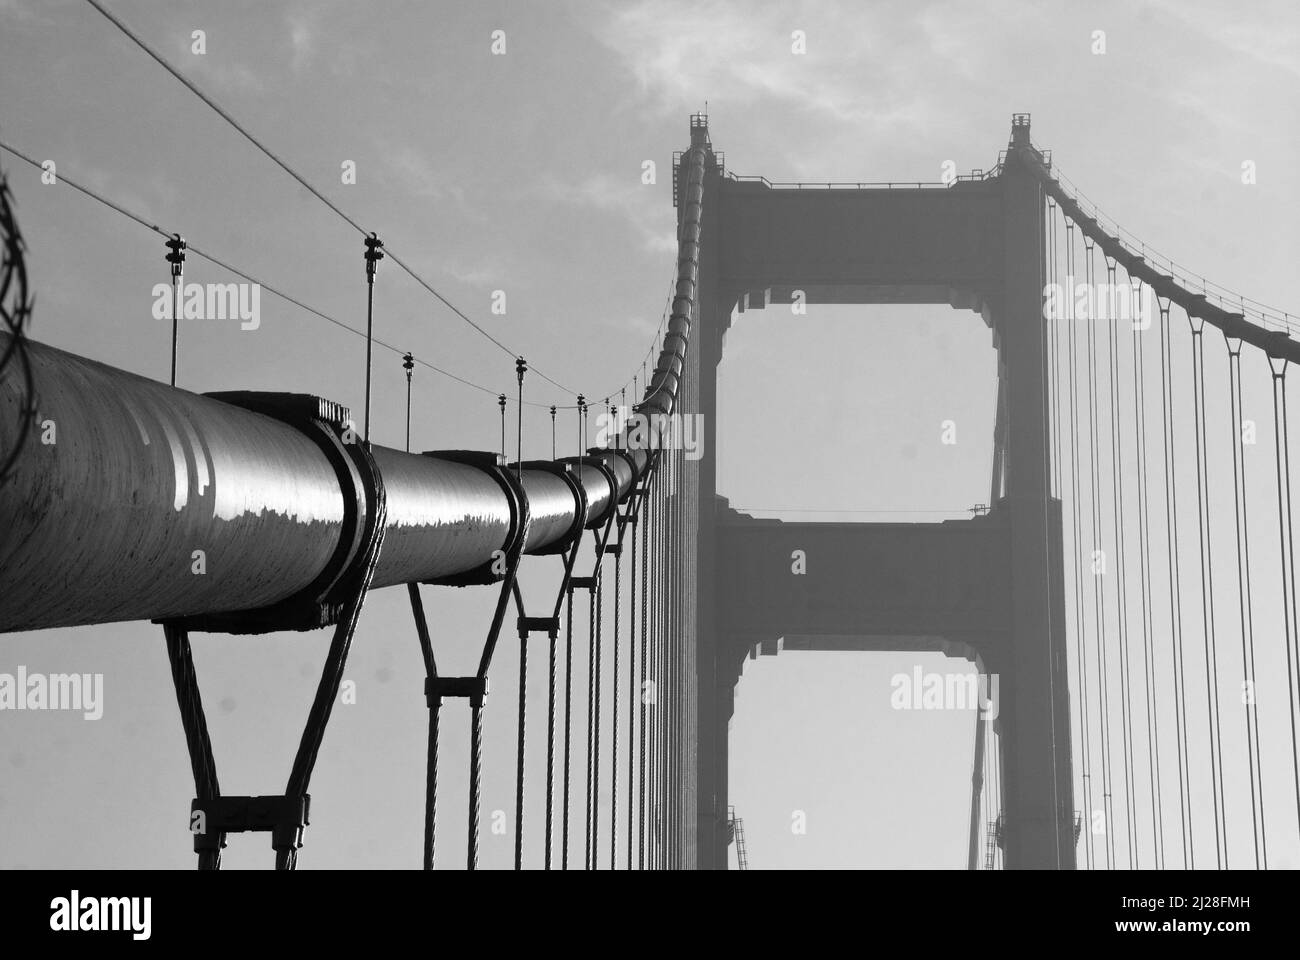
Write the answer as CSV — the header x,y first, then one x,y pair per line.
x,y
522,173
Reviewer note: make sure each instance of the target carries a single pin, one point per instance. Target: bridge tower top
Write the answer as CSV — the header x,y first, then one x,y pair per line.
x,y
1020,130
700,130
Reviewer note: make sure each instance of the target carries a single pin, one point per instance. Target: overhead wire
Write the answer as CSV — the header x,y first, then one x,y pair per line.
x,y
225,115
276,291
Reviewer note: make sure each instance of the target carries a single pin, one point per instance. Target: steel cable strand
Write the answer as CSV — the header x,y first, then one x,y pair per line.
x,y
1243,584
553,643
632,697
336,661
475,779
661,682
613,716
434,704
194,723
679,690
1207,595
655,736
431,790
568,685
595,776
519,761
1081,652
1117,514
1175,590
641,698
670,666
1245,536
1286,543
1053,321
1144,568
591,708
568,725
1099,589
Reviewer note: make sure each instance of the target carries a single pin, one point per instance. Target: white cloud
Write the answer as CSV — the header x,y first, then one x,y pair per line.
x,y
413,172
740,53
1271,37
641,207
302,39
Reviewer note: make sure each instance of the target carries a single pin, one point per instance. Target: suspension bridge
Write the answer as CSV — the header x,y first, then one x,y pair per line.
x,y
1130,583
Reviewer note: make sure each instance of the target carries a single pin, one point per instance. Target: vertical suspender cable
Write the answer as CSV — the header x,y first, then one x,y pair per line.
x,y
670,638
1175,590
597,619
592,644
1141,323
634,505
661,665
475,777
645,688
1286,541
1081,648
568,690
1117,513
1243,600
550,745
194,722
568,693
1098,579
1054,322
521,368
613,717
1207,594
679,680
434,701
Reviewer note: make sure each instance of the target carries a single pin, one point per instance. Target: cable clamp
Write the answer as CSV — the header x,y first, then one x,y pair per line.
x,y
474,689
547,625
283,817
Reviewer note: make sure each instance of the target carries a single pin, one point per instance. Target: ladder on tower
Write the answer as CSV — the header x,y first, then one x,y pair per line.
x,y
737,830
992,841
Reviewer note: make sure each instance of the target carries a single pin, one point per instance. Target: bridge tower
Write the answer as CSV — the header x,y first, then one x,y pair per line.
x,y
990,588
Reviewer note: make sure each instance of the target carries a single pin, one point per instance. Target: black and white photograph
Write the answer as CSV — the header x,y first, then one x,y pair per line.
x,y
651,436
